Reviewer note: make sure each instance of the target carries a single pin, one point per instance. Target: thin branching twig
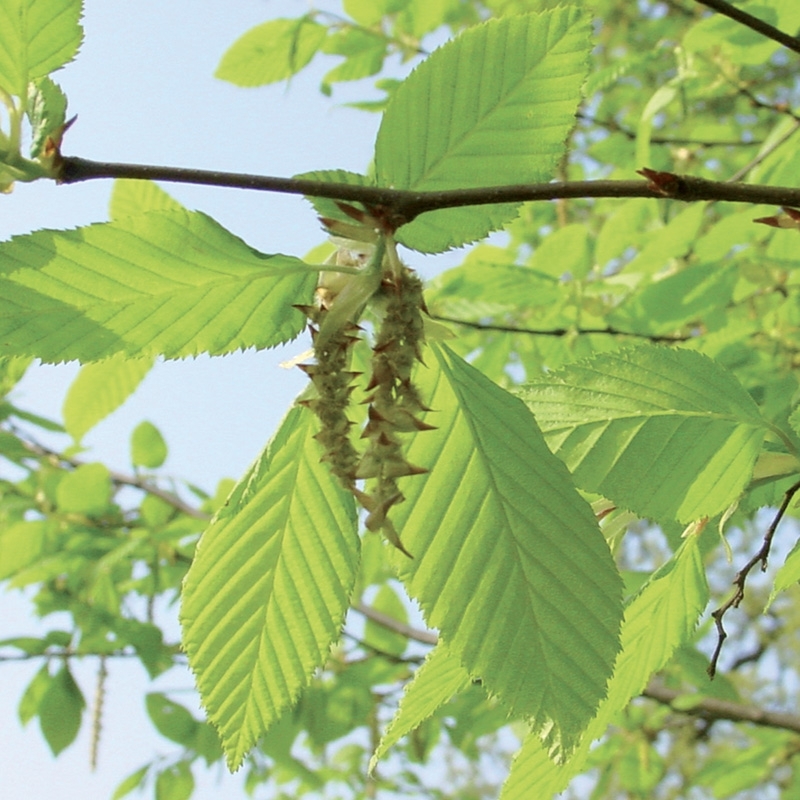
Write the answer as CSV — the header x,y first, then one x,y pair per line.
x,y
740,580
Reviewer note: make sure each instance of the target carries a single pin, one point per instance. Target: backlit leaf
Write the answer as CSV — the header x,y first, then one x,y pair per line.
x,y
658,620
667,434
99,389
36,38
168,282
272,51
492,107
148,448
502,542
267,592
60,711
435,682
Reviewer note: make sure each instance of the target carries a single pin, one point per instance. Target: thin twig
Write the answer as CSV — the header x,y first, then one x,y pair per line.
x,y
400,206
754,23
610,331
392,624
616,127
711,708
741,577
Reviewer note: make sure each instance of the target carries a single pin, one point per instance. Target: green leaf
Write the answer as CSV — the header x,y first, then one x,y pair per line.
x,y
23,544
271,52
148,448
686,296
87,490
369,12
171,719
267,592
132,197
502,542
666,434
658,620
32,697
99,389
133,781
787,575
435,682
326,207
492,107
36,38
60,711
379,636
176,782
168,282
47,111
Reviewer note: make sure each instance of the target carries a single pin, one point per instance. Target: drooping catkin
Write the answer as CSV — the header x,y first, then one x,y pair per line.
x,y
394,403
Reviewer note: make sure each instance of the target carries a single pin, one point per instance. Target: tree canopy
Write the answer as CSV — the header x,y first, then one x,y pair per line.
x,y
572,453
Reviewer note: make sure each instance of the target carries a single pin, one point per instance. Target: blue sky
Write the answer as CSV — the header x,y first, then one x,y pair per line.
x,y
143,89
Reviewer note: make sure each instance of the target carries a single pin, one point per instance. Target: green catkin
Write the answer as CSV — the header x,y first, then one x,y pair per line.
x,y
393,401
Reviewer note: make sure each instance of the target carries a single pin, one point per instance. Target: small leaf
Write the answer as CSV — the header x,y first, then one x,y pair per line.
x,y
271,52
47,111
667,434
37,38
23,544
60,711
494,106
133,781
99,389
148,448
503,542
87,490
171,719
435,682
787,575
176,782
173,283
269,586
35,691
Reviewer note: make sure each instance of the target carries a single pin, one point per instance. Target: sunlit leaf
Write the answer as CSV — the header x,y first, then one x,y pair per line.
x,y
148,448
36,38
492,107
168,282
99,389
86,490
658,620
502,542
667,434
272,51
435,682
268,589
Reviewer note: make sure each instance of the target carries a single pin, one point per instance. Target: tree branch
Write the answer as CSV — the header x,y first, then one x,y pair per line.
x,y
741,577
400,206
610,331
754,23
710,708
